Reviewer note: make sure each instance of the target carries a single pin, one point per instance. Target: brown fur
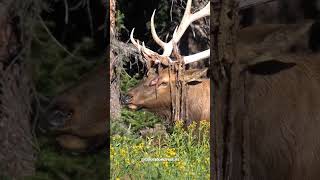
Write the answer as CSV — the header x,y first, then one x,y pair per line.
x,y
274,133
87,103
273,39
88,106
145,96
283,115
260,41
273,112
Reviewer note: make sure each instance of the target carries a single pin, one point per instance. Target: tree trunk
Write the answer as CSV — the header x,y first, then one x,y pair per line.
x,y
17,155
114,75
230,151
224,75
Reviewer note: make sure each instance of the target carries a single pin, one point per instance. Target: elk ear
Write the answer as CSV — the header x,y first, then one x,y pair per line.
x,y
269,67
194,75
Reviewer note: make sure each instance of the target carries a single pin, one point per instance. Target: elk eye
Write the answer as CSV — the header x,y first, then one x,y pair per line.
x,y
164,84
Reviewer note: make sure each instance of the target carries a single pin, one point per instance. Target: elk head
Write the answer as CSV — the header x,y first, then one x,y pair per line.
x,y
155,92
78,116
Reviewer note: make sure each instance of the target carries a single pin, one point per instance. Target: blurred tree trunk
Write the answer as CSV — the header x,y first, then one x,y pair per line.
x,y
226,162
230,153
114,75
17,155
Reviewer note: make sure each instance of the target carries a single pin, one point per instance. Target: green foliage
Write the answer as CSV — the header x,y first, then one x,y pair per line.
x,y
53,164
54,69
120,21
3,177
187,150
127,81
131,123
182,155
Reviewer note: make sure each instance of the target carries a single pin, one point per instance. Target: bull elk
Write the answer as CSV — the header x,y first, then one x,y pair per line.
x,y
154,92
273,132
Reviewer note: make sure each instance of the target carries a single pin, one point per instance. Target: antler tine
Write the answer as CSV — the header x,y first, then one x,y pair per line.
x,y
147,50
167,47
196,57
140,48
134,42
154,33
188,18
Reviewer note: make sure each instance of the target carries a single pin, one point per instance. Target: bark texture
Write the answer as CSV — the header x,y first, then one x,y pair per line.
x,y
114,75
223,65
17,155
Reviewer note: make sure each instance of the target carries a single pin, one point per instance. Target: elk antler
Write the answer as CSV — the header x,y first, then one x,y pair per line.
x,y
196,57
187,19
140,48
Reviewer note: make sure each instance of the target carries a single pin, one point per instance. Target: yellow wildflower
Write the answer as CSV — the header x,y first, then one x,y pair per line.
x,y
192,126
204,126
140,146
127,161
112,151
123,152
179,124
181,165
116,137
135,148
171,152
204,123
165,163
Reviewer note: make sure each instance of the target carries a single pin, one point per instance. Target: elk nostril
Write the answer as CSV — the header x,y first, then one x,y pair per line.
x,y
58,119
126,99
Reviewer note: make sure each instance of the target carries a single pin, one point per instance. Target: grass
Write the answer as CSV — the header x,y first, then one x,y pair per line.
x,y
184,154
163,153
186,150
55,164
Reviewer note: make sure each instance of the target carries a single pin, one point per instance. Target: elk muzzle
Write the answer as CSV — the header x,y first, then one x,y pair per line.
x,y
127,101
55,120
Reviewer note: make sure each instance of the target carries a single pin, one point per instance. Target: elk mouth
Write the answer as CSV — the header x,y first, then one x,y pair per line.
x,y
133,107
71,142
78,144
